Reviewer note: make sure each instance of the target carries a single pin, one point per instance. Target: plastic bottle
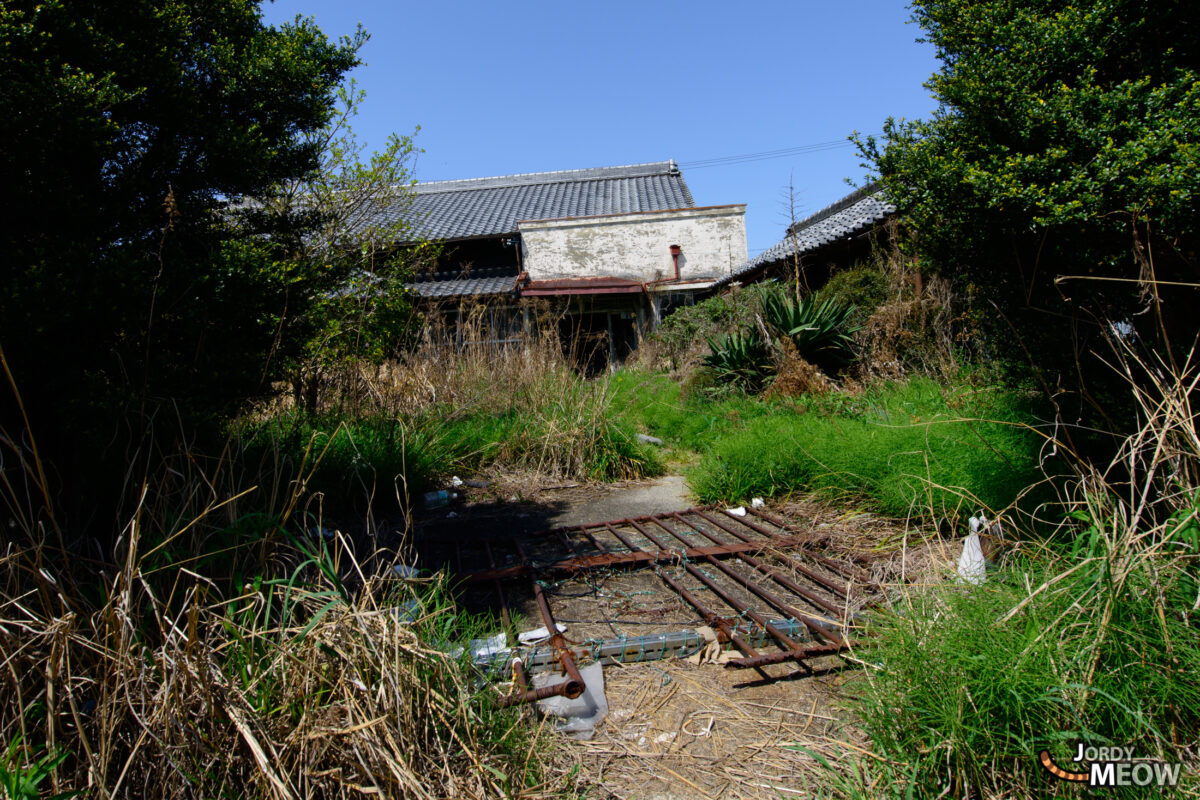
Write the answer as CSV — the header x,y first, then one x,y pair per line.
x,y
439,498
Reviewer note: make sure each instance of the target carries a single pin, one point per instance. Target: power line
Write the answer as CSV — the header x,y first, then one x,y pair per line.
x,y
784,152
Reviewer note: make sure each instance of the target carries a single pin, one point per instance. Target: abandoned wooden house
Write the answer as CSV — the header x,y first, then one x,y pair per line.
x,y
836,237
610,249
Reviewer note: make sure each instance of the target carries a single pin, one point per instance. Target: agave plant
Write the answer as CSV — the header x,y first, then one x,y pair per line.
x,y
822,332
740,359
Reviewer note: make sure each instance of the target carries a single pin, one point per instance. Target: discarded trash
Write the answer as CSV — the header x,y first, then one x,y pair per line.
x,y
477,484
740,511
452,515
456,481
405,571
711,652
439,498
972,567
654,440
483,649
579,717
702,732
539,634
757,503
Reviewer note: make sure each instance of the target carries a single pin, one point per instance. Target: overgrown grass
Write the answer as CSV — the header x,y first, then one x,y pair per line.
x,y
971,684
226,650
460,409
1092,638
910,448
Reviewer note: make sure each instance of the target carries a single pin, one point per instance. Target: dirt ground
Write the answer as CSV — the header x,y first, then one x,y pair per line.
x,y
680,730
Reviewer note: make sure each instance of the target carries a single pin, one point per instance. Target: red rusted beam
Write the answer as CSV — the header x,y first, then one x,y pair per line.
x,y
574,683
526,695
816,576
793,655
613,560
785,641
622,537
657,542
845,570
499,589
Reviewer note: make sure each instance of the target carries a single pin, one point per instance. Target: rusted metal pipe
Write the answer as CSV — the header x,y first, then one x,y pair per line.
x,y
785,641
526,695
778,658
499,589
625,540
790,561
574,683
844,570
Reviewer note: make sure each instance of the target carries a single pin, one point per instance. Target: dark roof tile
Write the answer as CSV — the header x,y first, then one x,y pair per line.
x,y
853,214
493,206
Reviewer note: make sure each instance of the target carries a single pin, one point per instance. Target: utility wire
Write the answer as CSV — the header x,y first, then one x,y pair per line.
x,y
767,154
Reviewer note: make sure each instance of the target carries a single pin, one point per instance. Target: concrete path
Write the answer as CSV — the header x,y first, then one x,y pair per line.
x,y
668,493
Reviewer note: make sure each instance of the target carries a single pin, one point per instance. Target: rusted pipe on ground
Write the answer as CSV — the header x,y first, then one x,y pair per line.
x,y
785,641
845,570
574,684
782,580
616,560
816,576
778,658
499,590
625,540
526,695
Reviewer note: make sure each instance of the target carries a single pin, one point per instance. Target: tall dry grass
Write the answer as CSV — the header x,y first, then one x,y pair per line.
x,y
217,651
462,401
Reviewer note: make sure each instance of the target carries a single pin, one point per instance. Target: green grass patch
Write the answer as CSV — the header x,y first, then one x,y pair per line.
x,y
908,448
969,684
905,448
565,426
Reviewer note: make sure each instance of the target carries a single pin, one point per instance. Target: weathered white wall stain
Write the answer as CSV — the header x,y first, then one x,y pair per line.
x,y
636,246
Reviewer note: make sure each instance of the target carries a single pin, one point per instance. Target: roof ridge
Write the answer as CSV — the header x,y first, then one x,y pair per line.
x,y
834,207
553,176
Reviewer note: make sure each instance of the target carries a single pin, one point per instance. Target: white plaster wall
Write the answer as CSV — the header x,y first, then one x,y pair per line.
x,y
636,246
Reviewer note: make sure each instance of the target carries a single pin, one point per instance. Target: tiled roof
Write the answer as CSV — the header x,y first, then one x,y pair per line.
x,y
854,213
465,287
492,206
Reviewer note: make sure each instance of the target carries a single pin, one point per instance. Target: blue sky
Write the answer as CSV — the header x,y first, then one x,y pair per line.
x,y
501,88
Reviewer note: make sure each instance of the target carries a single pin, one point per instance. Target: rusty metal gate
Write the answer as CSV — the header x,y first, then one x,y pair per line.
x,y
739,572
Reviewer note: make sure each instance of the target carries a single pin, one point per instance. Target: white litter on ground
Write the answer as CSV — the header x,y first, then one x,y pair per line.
x,y
577,718
972,566
539,634
740,511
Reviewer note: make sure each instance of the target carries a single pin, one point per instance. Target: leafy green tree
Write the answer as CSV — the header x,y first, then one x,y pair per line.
x,y
1056,183
127,133
346,273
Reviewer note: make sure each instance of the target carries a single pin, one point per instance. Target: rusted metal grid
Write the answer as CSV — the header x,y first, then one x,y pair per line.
x,y
752,579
